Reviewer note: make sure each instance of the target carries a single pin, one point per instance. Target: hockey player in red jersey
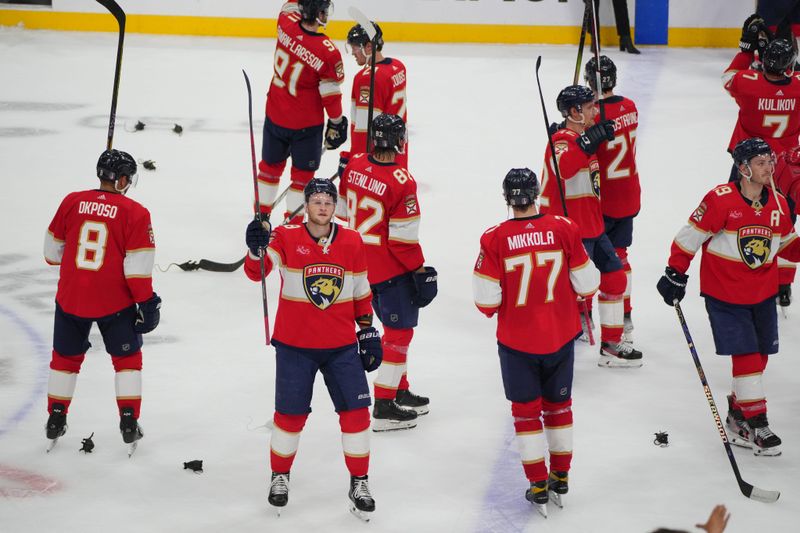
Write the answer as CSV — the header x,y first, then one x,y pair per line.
x,y
620,200
575,147
379,199
787,179
741,227
324,295
104,244
768,100
304,87
390,91
530,271
755,38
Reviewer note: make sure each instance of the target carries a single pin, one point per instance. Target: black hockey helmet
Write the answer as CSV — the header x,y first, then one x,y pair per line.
x,y
779,56
749,148
310,9
320,185
520,187
573,96
608,73
358,36
388,131
113,164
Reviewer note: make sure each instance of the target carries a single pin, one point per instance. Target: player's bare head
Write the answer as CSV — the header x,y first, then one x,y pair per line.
x,y
779,57
608,73
520,188
388,134
359,43
315,11
118,168
576,103
754,159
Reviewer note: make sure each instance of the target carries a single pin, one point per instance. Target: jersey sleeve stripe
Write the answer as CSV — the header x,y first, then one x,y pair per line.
x,y
487,292
53,249
329,88
579,186
585,279
690,239
139,264
404,230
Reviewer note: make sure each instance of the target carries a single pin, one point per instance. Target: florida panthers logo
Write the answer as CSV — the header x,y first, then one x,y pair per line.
x,y
594,175
363,95
323,283
755,243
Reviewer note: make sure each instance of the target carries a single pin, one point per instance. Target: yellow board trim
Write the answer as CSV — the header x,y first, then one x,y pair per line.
x,y
394,31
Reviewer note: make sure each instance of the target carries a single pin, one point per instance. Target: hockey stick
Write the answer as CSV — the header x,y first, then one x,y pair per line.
x,y
596,49
257,203
754,493
374,34
581,43
585,306
119,14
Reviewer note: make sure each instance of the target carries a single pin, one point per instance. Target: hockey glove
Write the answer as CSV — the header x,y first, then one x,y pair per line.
x,y
425,282
555,126
755,35
344,158
672,286
785,295
336,133
593,136
257,236
148,314
369,348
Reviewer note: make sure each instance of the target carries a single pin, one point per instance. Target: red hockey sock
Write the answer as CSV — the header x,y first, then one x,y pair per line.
x,y
748,387
285,440
558,430
530,438
355,440
626,268
128,382
63,378
392,372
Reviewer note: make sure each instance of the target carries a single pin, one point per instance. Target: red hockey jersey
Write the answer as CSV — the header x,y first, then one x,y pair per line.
x,y
580,174
770,110
104,243
308,75
741,61
787,176
530,271
619,177
379,200
324,286
739,242
390,98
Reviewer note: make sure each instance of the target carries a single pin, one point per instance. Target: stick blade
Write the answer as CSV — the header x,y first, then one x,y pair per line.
x,y
359,16
759,495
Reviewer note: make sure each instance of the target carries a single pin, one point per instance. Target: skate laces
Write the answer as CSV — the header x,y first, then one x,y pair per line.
x,y
280,484
361,489
764,433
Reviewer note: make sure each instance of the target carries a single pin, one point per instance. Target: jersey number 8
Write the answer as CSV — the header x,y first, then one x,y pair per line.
x,y
91,245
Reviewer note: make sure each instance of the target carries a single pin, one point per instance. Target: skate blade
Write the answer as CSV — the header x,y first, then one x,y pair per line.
x,y
542,508
421,410
52,444
610,361
132,448
775,451
556,499
361,515
381,426
783,311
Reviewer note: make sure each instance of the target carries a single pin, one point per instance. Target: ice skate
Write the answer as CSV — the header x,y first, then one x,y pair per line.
x,y
361,502
627,329
130,429
279,491
585,335
557,486
408,400
619,355
753,433
537,495
388,416
56,425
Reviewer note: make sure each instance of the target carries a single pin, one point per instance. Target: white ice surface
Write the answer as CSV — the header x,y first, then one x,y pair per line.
x,y
208,377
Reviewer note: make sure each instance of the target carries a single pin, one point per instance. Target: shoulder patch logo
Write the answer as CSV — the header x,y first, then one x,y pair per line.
x,y
755,244
697,216
323,283
411,204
